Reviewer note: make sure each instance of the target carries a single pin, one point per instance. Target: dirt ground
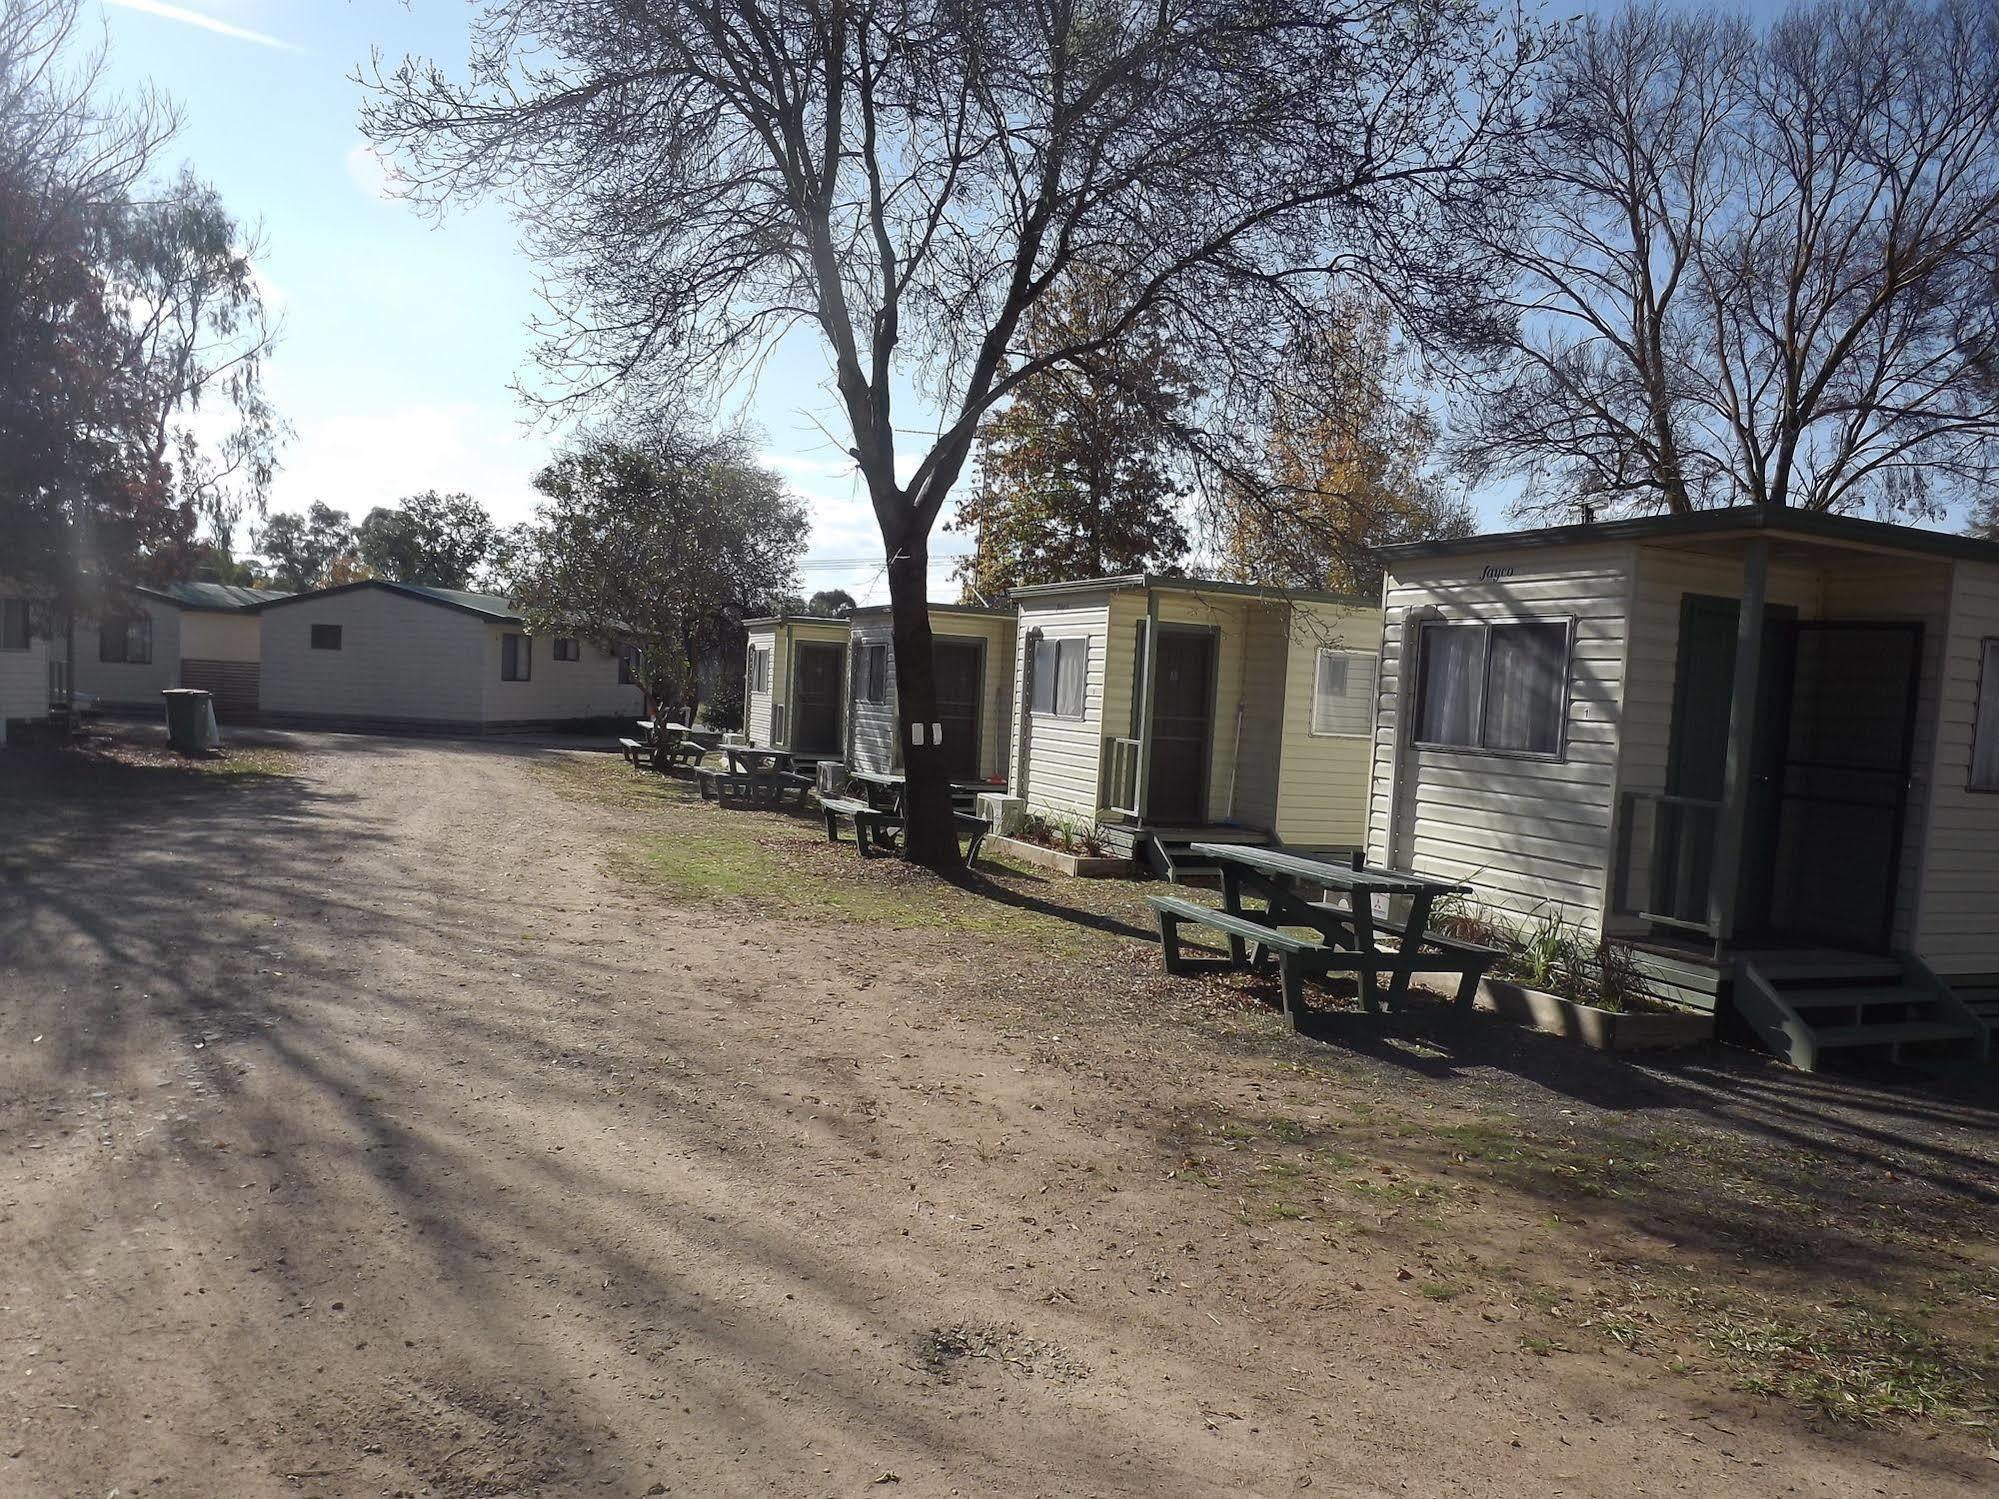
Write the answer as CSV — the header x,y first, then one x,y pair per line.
x,y
393,1118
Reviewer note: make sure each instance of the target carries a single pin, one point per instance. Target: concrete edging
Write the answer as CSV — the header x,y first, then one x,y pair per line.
x,y
1082,866
1602,1030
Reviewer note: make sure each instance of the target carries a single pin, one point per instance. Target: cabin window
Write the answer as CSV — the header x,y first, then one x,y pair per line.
x,y
565,648
14,631
628,666
759,669
1061,668
1501,688
874,674
1343,693
326,637
128,639
1985,736
516,658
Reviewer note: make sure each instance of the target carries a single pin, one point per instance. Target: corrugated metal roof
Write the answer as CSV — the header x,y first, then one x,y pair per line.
x,y
221,597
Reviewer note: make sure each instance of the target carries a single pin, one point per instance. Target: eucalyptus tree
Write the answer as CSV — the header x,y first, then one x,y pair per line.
x,y
904,181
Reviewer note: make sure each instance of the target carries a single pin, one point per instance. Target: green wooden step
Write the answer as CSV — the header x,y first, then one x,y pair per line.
x,y
1807,971
1859,994
1889,1035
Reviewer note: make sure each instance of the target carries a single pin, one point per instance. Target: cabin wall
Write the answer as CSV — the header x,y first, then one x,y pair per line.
x,y
873,741
757,705
399,660
1262,644
24,676
1323,778
555,691
1529,834
132,684
1958,932
1059,759
210,635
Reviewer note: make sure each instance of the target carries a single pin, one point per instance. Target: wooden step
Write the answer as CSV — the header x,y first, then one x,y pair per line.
x,y
1892,1034
1858,995
1818,971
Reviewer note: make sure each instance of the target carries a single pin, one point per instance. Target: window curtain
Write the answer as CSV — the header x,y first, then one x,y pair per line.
x,y
1343,693
1073,670
1447,712
1985,741
1523,688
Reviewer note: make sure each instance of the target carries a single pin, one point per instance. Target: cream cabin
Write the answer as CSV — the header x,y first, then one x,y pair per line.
x,y
1762,748
795,683
972,665
399,658
205,635
1155,712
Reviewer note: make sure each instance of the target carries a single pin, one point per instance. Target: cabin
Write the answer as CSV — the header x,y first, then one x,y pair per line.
x,y
205,635
971,654
1759,749
1156,712
385,657
795,683
30,663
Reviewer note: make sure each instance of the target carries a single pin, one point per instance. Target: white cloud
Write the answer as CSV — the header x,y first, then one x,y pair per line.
x,y
371,173
181,15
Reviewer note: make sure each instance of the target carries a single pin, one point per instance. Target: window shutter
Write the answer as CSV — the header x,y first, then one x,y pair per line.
x,y
1343,693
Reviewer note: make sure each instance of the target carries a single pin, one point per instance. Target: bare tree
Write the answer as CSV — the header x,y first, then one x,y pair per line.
x,y
908,178
1764,268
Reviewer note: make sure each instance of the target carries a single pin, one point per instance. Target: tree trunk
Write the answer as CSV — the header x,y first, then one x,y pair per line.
x,y
930,836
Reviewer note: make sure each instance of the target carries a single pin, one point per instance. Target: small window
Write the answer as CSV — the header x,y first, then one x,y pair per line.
x,y
1500,688
1985,730
874,674
14,629
516,658
127,639
565,649
1061,674
628,665
326,637
759,670
1343,693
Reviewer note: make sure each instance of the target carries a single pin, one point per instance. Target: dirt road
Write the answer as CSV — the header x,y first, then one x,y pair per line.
x,y
361,1134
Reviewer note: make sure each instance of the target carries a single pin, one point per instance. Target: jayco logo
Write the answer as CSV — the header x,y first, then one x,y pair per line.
x,y
1494,574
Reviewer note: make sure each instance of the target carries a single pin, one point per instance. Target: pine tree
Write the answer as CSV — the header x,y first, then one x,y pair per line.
x,y
1077,478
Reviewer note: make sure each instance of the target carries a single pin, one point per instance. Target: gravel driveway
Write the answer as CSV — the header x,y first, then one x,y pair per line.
x,y
360,1134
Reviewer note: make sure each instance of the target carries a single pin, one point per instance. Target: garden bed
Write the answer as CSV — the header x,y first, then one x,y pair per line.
x,y
1649,1029
1083,866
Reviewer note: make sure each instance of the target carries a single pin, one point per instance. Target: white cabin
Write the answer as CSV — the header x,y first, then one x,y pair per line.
x,y
30,663
400,658
1563,724
972,663
795,683
1249,717
205,635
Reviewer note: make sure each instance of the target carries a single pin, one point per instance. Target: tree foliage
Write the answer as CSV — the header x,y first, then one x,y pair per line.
x,y
126,307
308,550
440,540
907,180
1353,464
1079,476
666,541
831,603
1764,268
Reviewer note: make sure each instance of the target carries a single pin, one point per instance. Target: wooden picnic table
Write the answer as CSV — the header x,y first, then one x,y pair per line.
x,y
1273,876
886,788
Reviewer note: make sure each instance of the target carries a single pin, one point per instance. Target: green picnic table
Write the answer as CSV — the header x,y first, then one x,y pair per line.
x,y
1345,933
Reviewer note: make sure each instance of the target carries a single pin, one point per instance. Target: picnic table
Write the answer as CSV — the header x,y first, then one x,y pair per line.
x,y
758,759
878,814
1345,932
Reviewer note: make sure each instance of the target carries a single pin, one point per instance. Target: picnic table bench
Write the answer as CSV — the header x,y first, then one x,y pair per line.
x,y
758,788
634,750
1341,938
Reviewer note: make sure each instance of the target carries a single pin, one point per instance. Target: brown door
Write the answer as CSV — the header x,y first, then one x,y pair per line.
x,y
815,698
956,665
1183,701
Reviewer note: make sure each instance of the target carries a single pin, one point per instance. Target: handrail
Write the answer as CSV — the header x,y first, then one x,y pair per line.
x,y
1676,835
1120,783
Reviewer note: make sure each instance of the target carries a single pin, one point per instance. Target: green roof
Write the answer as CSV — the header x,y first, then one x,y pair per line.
x,y
224,598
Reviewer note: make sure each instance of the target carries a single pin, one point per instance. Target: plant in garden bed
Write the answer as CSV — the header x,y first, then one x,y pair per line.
x,y
1063,836
1553,954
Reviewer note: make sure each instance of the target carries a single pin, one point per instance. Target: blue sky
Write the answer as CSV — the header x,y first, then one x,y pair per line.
x,y
401,339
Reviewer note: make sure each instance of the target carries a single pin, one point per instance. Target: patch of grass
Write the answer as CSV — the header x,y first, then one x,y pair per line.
x,y
782,862
1862,1367
1442,1290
